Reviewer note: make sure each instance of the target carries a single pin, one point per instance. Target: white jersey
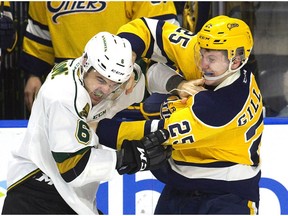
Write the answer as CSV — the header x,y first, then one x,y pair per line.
x,y
59,142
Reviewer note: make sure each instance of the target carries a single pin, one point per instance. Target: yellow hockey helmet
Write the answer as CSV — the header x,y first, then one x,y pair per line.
x,y
225,33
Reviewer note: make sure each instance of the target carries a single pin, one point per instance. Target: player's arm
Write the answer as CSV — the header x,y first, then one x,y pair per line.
x,y
38,55
119,131
148,38
80,161
165,43
171,82
135,153
145,36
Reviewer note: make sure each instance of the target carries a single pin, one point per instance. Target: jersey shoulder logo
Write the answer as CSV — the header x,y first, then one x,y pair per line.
x,y
85,111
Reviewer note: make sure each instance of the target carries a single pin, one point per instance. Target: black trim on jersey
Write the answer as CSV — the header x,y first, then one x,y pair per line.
x,y
38,39
159,30
165,17
40,25
78,169
147,126
76,90
58,60
32,65
211,165
60,157
138,46
217,108
251,132
152,42
254,151
247,189
159,41
5,7
107,132
161,124
23,179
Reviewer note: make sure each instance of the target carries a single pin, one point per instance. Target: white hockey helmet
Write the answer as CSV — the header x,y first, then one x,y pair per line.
x,y
109,55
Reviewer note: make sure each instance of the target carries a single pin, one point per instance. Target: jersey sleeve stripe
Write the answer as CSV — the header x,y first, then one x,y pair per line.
x,y
152,42
60,157
160,42
38,39
138,47
107,132
40,25
166,17
74,166
153,125
252,130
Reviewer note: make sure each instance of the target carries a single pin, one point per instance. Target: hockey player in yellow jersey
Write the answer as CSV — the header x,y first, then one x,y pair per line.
x,y
215,133
59,30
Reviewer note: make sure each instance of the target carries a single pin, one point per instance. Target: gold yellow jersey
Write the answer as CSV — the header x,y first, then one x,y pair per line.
x,y
163,42
216,137
5,5
59,30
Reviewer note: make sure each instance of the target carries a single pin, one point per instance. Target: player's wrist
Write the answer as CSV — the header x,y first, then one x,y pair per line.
x,y
173,84
126,161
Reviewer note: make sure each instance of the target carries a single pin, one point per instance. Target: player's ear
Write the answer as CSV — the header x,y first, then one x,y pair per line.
x,y
134,56
130,85
236,63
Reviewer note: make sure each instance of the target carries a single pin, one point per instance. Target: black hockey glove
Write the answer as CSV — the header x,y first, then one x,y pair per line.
x,y
6,31
145,154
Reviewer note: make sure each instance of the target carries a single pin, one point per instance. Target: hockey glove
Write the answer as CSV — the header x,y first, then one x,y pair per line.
x,y
6,31
145,154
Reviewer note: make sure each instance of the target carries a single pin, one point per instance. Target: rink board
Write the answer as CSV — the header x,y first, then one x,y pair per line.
x,y
138,194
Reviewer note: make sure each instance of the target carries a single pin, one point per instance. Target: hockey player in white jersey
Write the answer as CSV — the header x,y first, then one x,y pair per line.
x,y
59,165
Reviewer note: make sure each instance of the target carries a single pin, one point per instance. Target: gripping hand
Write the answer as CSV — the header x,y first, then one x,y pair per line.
x,y
145,154
167,107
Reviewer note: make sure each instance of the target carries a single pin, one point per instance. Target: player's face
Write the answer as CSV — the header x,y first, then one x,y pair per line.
x,y
99,87
213,63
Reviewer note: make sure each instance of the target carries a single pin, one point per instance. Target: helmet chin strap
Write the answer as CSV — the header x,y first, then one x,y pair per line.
x,y
214,78
228,71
